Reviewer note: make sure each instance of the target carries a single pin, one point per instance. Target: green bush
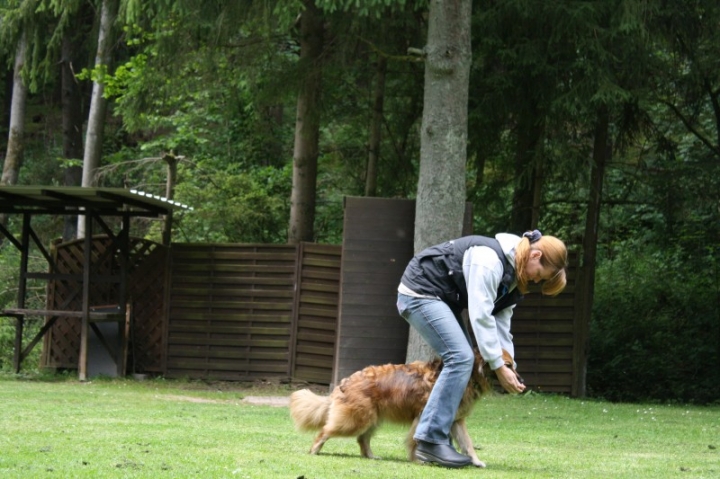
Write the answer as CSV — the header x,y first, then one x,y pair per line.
x,y
655,333
34,298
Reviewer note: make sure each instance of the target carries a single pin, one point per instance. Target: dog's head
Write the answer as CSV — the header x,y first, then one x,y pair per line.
x,y
510,363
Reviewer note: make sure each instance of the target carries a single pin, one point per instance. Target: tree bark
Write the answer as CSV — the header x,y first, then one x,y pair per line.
x,y
16,146
537,187
98,104
586,280
376,128
441,193
307,127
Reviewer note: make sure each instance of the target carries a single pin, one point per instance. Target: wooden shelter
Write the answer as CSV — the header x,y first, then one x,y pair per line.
x,y
96,205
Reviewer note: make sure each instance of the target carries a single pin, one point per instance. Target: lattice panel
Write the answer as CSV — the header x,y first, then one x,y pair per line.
x,y
62,344
146,292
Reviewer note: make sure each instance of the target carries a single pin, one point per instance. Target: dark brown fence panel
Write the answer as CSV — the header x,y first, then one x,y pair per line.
x,y
316,312
230,312
146,288
377,245
544,332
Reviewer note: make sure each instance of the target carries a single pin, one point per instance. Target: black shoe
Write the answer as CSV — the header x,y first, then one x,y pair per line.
x,y
441,454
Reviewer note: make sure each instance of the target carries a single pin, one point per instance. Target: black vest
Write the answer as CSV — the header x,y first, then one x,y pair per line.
x,y
437,271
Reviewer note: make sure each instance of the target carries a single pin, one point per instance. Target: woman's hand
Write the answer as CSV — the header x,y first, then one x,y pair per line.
x,y
508,380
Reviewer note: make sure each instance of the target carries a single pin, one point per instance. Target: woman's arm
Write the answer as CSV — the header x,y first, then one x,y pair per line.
x,y
502,319
483,273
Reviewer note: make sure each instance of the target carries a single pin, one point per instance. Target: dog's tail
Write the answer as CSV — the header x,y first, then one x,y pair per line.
x,y
308,410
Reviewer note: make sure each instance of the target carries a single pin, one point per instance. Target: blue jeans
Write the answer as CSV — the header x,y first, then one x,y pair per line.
x,y
439,327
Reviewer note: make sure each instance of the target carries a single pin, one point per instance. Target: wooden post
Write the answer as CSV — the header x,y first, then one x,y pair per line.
x,y
602,152
167,228
85,321
17,354
22,289
24,254
123,350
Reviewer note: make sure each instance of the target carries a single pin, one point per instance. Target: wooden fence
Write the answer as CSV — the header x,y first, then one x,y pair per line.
x,y
544,331
309,312
240,312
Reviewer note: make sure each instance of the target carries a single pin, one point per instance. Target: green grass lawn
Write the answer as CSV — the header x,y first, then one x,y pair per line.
x,y
165,429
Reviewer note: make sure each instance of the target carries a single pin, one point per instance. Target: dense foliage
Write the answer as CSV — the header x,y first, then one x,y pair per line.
x,y
656,325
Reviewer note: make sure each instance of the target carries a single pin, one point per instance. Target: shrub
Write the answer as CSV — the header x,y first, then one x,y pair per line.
x,y
655,333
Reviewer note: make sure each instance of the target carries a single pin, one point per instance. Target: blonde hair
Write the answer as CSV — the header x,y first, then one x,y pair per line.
x,y
554,257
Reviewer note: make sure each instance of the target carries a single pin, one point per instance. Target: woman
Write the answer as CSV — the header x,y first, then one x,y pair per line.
x,y
487,277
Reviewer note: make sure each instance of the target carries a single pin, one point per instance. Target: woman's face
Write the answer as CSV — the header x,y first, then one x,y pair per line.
x,y
535,271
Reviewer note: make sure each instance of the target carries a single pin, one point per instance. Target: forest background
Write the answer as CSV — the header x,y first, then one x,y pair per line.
x,y
596,121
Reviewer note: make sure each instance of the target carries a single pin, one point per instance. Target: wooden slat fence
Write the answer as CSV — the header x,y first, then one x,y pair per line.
x,y
544,336
317,312
232,311
377,244
308,312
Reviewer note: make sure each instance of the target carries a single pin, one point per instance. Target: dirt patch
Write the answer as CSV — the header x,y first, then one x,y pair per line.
x,y
259,393
175,397
275,401
260,387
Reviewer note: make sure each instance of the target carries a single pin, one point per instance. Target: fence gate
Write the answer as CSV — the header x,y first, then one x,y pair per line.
x,y
316,311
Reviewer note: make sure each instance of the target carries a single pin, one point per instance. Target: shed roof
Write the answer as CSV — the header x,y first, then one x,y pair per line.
x,y
64,200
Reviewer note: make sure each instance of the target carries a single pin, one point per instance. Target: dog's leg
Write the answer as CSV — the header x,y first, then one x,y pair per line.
x,y
364,441
460,433
319,441
410,441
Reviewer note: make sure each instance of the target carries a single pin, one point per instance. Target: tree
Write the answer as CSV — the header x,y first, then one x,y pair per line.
x,y
98,103
71,98
441,192
374,141
15,146
307,126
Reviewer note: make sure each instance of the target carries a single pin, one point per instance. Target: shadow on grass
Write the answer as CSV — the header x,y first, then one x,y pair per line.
x,y
345,455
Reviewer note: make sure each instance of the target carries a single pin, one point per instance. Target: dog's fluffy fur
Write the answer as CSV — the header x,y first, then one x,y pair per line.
x,y
392,392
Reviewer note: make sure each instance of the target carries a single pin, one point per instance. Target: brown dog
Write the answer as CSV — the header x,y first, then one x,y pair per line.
x,y
392,392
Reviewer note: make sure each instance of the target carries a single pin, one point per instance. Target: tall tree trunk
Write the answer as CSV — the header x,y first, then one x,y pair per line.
x,y
16,145
537,187
530,130
72,119
307,127
172,160
98,104
586,281
7,110
441,195
376,128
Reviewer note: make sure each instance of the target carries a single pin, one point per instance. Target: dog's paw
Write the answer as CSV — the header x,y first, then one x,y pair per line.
x,y
478,463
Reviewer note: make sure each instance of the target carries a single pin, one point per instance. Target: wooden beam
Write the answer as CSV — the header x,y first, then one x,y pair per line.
x,y
84,324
